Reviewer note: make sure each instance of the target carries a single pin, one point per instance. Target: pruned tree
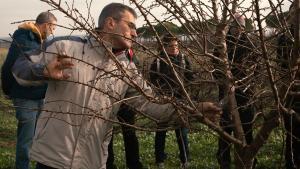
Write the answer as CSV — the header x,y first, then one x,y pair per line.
x,y
191,15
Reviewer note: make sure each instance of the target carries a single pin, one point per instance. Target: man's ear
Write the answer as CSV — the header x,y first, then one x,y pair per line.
x,y
43,28
110,23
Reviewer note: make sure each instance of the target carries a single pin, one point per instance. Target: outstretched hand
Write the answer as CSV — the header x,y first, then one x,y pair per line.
x,y
55,68
210,110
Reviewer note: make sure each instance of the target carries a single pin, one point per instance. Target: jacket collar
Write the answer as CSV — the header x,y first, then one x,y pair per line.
x,y
121,55
32,27
95,44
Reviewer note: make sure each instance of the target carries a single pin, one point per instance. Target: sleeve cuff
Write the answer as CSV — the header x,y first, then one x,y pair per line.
x,y
38,71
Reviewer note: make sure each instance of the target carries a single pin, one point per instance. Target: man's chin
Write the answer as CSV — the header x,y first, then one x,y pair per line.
x,y
174,53
129,44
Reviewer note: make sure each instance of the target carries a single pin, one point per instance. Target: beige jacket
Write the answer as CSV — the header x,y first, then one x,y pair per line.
x,y
71,131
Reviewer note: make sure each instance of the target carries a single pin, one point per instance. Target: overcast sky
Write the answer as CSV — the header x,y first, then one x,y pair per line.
x,y
19,10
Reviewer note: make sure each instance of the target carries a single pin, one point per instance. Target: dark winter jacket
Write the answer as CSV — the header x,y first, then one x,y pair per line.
x,y
162,76
126,113
284,50
241,59
26,39
240,55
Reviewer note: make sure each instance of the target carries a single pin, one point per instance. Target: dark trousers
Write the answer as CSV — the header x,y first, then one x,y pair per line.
x,y
182,141
292,151
130,142
42,166
246,116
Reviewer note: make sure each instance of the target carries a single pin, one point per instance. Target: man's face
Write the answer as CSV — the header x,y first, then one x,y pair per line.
x,y
172,48
126,30
236,31
48,29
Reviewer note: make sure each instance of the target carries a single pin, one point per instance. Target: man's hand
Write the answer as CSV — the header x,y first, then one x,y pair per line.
x,y
54,69
210,110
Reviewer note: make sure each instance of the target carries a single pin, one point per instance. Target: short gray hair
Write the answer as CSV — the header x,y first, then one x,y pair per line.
x,y
45,17
114,10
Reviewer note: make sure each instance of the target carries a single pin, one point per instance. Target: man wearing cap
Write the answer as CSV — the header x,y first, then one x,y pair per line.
x,y
241,59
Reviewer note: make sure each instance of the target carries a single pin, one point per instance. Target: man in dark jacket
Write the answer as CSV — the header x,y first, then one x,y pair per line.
x,y
241,60
162,77
27,100
291,123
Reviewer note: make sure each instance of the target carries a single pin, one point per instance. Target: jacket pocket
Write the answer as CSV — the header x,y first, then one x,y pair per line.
x,y
42,123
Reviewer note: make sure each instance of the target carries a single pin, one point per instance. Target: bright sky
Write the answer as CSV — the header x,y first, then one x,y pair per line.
x,y
19,10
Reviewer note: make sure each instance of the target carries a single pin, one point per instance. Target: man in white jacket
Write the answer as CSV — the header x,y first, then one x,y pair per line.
x,y
85,91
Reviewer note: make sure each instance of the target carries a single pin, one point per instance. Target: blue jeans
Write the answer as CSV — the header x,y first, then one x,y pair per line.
x,y
182,141
27,112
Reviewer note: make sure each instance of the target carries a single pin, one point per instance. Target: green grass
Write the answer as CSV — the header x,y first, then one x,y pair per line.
x,y
7,128
7,139
3,52
203,146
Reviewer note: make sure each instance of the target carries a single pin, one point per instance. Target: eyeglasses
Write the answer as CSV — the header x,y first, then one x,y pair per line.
x,y
130,24
172,45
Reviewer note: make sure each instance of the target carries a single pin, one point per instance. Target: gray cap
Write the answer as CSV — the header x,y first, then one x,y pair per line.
x,y
238,19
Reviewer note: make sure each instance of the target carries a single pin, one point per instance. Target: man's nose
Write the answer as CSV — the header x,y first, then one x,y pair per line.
x,y
133,33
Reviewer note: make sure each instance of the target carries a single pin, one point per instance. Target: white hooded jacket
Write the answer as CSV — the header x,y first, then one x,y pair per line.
x,y
72,131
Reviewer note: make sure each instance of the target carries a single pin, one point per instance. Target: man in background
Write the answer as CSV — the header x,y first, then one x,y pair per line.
x,y
292,99
27,100
162,76
240,57
127,115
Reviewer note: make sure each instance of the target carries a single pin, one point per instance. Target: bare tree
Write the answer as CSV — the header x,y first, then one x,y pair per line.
x,y
190,14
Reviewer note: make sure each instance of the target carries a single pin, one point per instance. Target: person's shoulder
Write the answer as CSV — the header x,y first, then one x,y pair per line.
x,y
65,39
21,33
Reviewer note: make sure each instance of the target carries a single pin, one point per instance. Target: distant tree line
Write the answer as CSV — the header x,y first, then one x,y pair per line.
x,y
272,21
161,28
